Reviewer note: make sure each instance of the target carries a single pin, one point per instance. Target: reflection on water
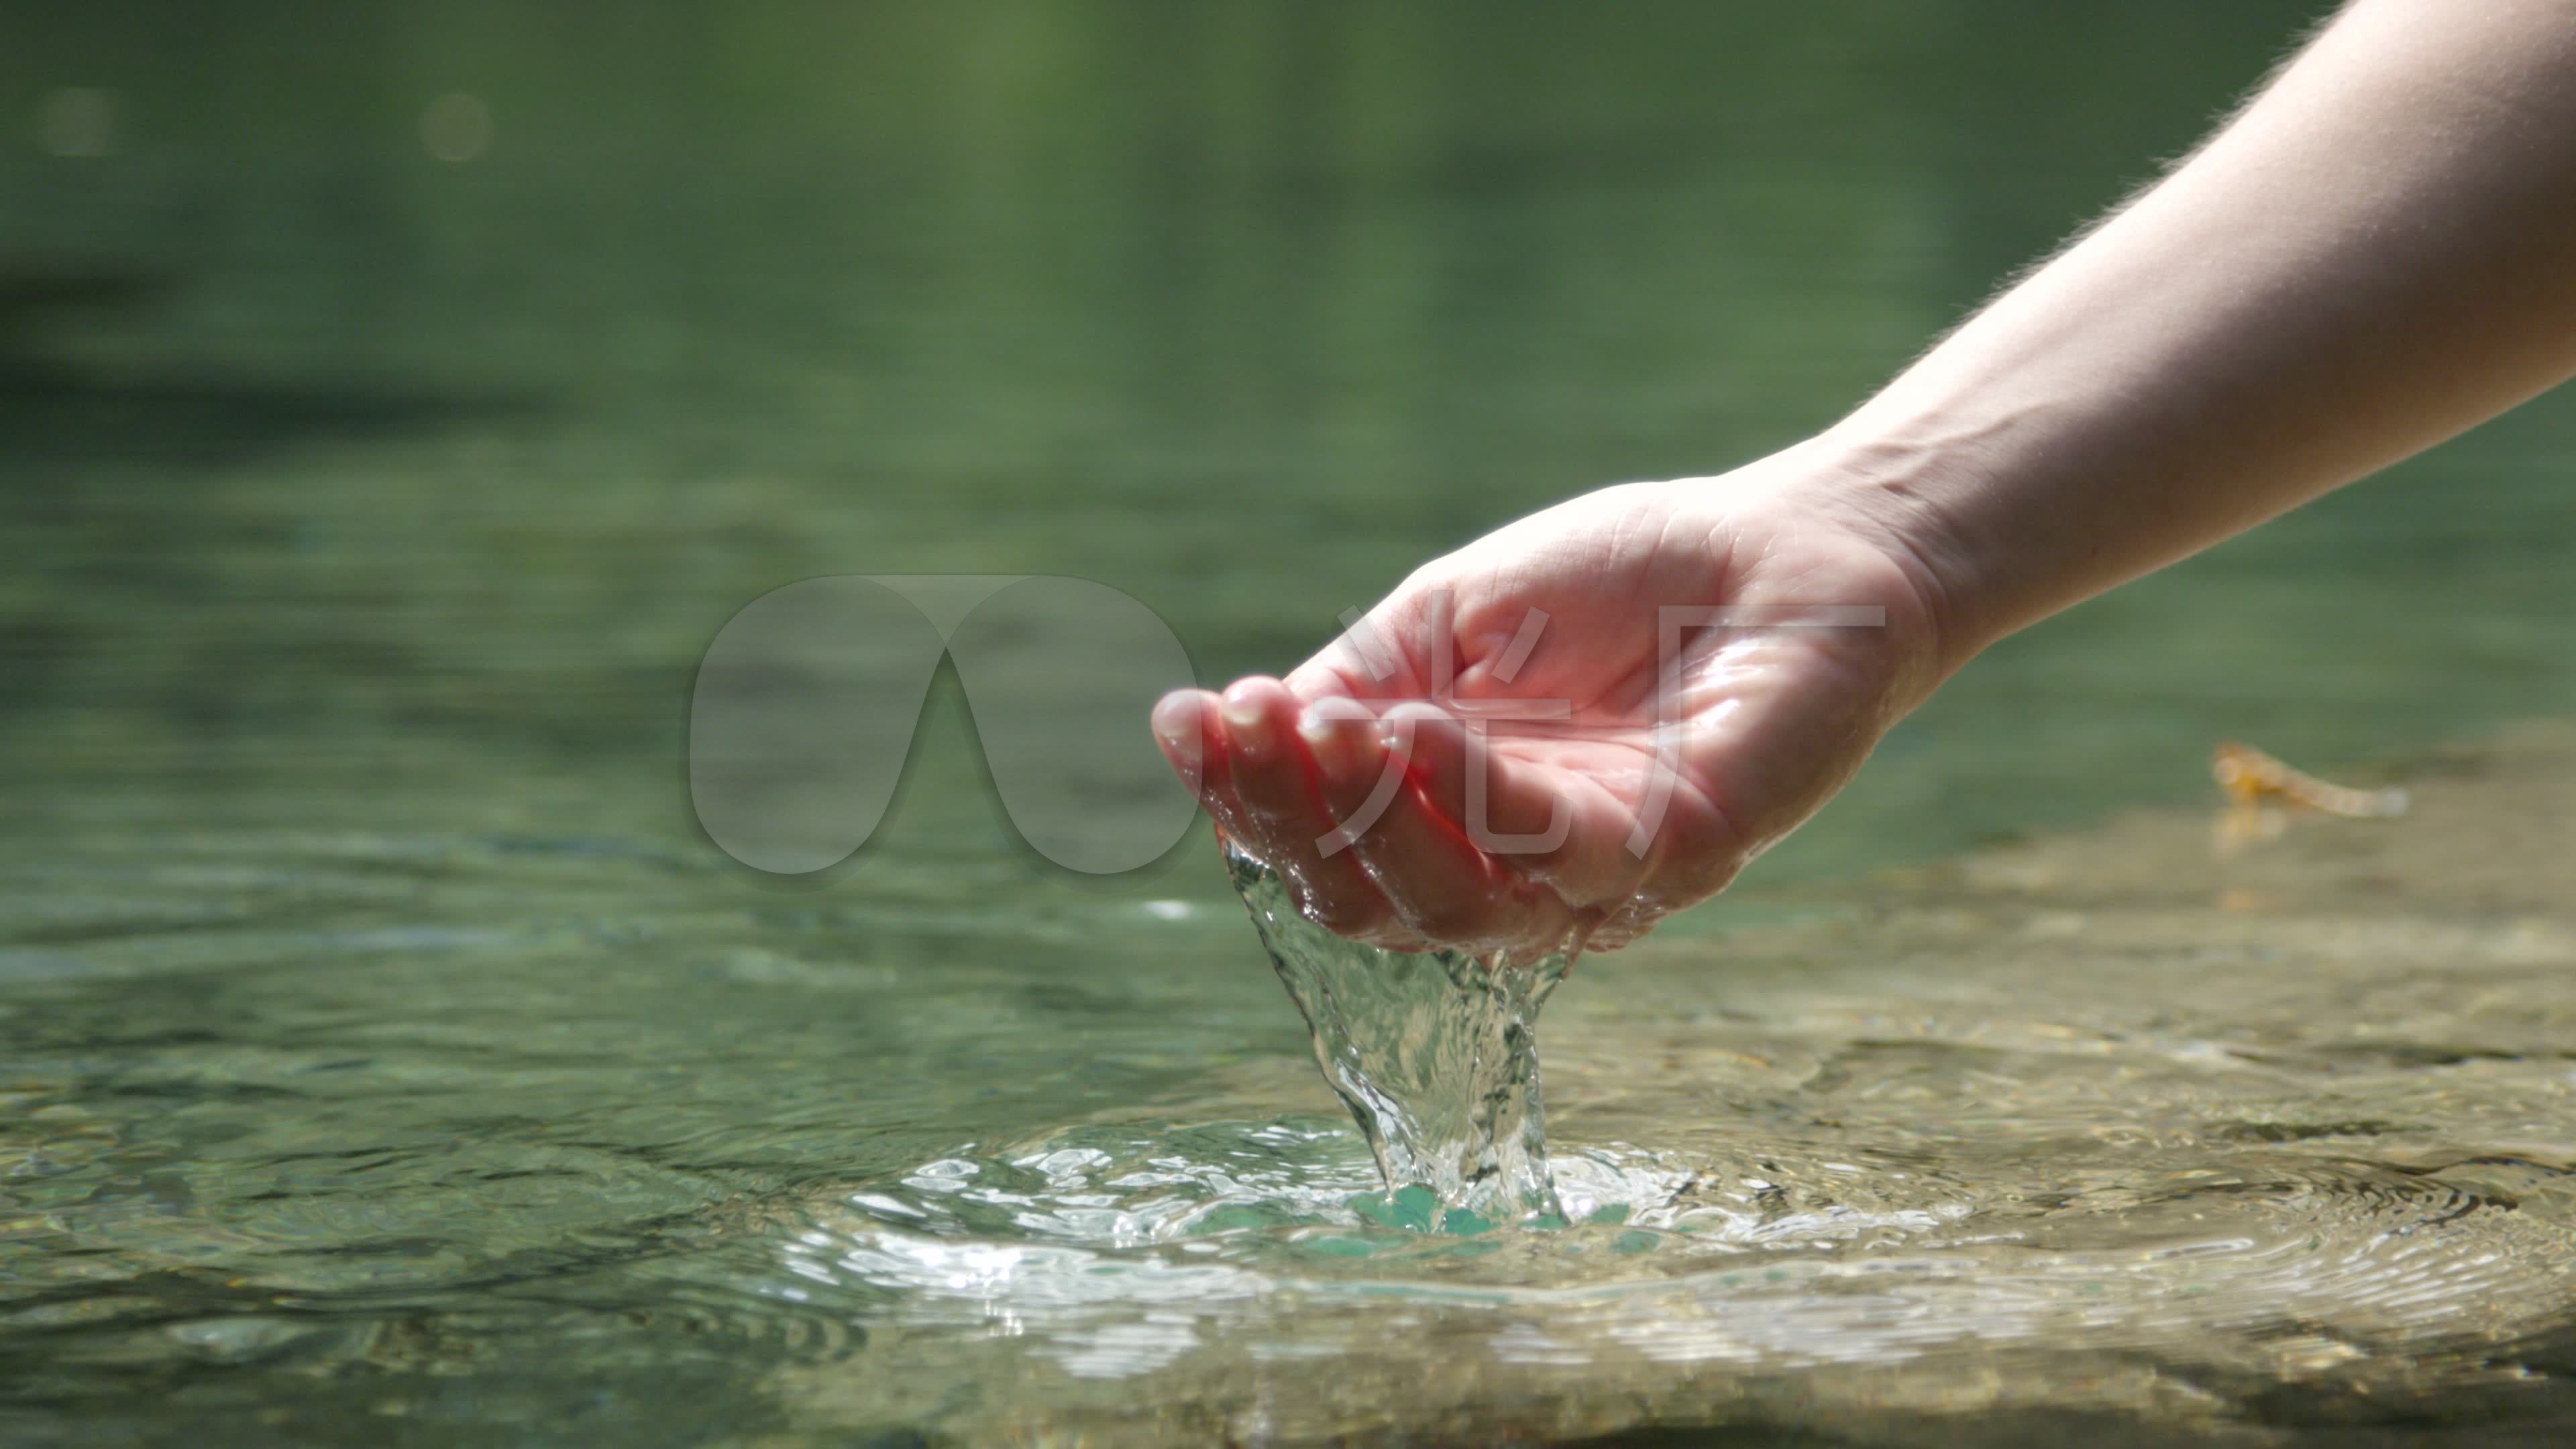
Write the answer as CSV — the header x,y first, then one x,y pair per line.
x,y
1436,1055
386,1057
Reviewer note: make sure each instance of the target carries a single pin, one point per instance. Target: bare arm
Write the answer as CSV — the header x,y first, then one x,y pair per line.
x,y
2379,253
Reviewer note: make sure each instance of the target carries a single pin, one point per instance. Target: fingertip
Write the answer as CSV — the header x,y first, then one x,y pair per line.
x,y
1257,712
1183,723
1176,719
1328,728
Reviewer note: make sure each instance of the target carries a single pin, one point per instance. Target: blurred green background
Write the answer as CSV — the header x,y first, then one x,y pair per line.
x,y
397,398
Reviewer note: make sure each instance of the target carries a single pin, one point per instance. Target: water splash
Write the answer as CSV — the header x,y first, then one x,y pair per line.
x,y
1434,1054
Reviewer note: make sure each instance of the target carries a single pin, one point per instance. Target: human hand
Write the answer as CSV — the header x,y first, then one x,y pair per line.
x,y
1621,777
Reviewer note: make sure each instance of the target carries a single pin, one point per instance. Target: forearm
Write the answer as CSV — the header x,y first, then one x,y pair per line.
x,y
2379,253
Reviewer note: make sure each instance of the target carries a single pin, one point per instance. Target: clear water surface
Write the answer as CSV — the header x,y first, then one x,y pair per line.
x,y
394,401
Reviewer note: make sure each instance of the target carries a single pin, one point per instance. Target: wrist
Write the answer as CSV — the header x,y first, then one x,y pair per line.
x,y
1903,495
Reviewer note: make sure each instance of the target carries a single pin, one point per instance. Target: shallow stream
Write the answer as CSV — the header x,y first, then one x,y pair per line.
x,y
386,1057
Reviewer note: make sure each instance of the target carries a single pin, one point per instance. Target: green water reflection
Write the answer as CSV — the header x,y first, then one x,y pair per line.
x,y
387,1053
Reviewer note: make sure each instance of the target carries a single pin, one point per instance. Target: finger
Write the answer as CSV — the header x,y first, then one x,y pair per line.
x,y
1190,725
1437,882
1281,815
1184,723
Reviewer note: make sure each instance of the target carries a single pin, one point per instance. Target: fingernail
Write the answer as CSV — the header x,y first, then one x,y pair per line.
x,y
1176,723
1250,726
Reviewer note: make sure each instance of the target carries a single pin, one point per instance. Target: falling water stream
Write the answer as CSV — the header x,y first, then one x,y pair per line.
x,y
1436,1054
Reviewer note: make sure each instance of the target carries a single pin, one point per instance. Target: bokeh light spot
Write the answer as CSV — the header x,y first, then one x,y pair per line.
x,y
78,121
456,127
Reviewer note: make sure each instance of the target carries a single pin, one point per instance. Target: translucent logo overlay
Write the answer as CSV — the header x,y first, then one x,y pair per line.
x,y
808,699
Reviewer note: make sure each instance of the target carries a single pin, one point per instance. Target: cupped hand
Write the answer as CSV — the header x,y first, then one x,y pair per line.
x,y
1580,723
